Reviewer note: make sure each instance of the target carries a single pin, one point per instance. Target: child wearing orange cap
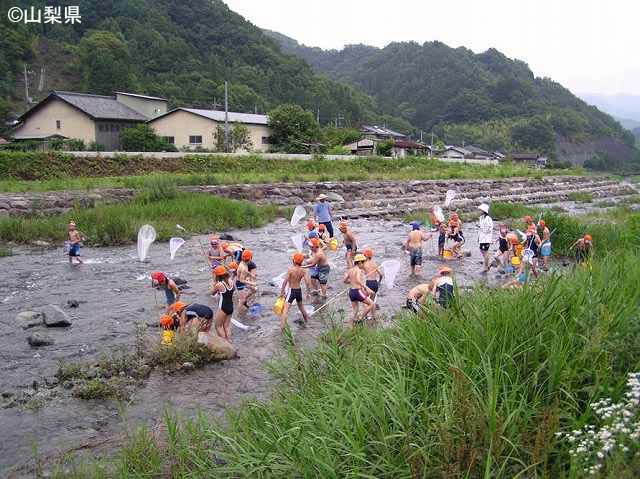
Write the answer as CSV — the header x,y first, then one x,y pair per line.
x,y
294,278
584,248
246,278
359,292
373,273
545,245
442,287
455,234
323,234
502,255
528,223
194,315
320,269
162,282
223,285
349,241
532,249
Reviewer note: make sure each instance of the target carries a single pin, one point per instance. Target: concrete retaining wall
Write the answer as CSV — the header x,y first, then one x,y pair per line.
x,y
266,156
344,195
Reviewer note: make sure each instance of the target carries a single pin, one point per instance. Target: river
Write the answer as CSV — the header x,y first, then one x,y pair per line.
x,y
114,293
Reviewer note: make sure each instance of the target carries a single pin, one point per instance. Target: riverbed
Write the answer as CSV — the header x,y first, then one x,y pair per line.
x,y
114,294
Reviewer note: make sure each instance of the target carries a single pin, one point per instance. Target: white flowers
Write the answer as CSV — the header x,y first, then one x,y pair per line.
x,y
618,429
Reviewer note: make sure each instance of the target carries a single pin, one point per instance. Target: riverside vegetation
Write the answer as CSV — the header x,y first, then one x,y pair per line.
x,y
48,171
159,202
479,390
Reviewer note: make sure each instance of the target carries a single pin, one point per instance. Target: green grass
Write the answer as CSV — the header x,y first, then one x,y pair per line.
x,y
119,223
57,171
580,196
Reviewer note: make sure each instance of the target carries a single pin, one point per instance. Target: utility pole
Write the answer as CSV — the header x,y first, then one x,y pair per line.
x,y
226,117
26,86
431,151
421,132
318,116
41,84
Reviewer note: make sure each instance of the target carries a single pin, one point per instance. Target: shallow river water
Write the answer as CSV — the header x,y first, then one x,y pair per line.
x,y
114,293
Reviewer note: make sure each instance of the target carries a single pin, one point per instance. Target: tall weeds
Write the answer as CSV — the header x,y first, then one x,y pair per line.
x,y
119,223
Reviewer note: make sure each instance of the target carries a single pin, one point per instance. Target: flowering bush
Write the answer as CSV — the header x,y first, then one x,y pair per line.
x,y
616,433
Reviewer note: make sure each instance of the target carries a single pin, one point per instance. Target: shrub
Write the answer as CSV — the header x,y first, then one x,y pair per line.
x,y
384,148
143,138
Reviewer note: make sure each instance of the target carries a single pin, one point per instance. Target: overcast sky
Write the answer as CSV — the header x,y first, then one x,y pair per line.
x,y
588,46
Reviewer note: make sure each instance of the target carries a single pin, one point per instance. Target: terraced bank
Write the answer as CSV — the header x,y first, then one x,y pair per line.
x,y
350,199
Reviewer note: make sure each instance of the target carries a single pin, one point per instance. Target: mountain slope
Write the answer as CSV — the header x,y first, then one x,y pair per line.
x,y
183,51
486,97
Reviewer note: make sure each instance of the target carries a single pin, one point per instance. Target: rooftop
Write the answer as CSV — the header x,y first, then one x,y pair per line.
x,y
217,115
98,107
146,97
381,131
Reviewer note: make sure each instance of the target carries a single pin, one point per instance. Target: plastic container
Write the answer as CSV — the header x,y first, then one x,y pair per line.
x,y
447,254
167,337
333,244
278,307
515,261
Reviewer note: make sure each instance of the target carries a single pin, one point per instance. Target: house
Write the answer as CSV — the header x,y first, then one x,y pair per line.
x,y
190,128
478,153
455,152
91,118
149,106
530,159
380,133
404,147
363,147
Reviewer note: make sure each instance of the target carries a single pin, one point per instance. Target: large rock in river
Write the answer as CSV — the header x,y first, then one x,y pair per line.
x,y
38,339
55,317
30,319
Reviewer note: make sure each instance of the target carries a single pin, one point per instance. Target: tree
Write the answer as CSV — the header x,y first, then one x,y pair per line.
x,y
384,148
239,138
105,63
143,138
293,129
535,134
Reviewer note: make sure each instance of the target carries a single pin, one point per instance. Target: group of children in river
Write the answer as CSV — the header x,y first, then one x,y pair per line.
x,y
234,270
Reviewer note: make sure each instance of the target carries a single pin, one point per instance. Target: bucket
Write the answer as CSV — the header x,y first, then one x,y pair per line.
x,y
515,261
168,337
333,244
278,307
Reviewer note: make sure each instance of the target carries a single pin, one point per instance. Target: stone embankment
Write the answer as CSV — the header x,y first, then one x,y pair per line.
x,y
351,199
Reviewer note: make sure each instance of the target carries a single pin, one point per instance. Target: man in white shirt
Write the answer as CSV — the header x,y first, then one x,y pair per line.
x,y
485,234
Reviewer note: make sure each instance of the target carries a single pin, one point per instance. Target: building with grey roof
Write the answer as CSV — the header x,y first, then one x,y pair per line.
x,y
94,119
194,129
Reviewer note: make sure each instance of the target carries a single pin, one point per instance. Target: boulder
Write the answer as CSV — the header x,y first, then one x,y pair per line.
x,y
37,340
54,317
226,237
30,318
72,303
220,348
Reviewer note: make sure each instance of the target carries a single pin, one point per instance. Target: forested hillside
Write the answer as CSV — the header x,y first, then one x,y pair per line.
x,y
483,98
183,51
